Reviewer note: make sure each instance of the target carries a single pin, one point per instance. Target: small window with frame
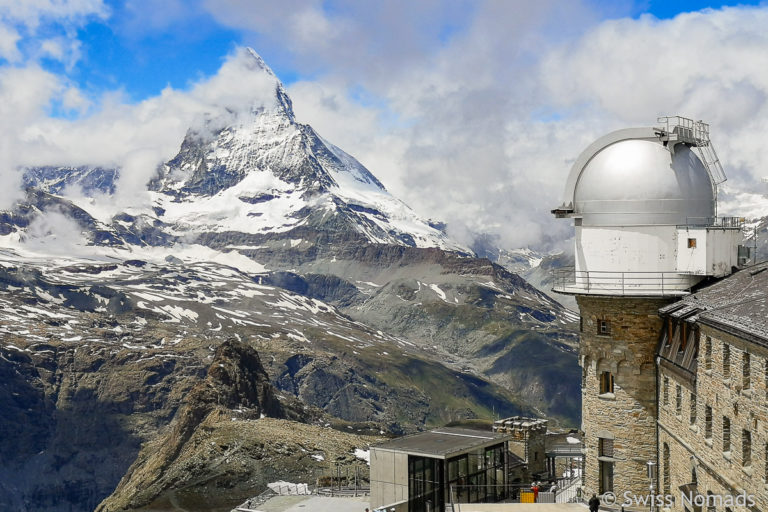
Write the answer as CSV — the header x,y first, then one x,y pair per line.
x,y
606,383
603,327
691,243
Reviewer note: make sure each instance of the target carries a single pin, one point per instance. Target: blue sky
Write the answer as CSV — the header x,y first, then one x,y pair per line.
x,y
122,52
665,9
469,110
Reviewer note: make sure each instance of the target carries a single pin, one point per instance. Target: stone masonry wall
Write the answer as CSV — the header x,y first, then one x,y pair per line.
x,y
722,472
629,413
528,440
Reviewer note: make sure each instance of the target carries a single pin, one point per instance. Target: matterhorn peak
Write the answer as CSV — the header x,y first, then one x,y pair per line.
x,y
253,62
256,62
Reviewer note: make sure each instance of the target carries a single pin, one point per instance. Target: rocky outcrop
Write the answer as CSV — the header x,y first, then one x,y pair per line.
x,y
209,456
73,417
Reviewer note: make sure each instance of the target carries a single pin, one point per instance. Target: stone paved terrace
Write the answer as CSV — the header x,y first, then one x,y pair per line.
x,y
521,507
324,504
312,503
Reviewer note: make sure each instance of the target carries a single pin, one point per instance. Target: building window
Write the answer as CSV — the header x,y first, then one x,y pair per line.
x,y
604,447
746,448
683,337
765,475
708,422
666,390
581,324
765,371
606,382
693,409
665,475
670,332
424,489
691,243
746,370
711,507
603,326
678,400
726,361
726,435
477,477
708,353
606,476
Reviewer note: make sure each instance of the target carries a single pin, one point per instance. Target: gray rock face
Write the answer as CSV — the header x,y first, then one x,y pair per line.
x,y
235,381
56,180
97,358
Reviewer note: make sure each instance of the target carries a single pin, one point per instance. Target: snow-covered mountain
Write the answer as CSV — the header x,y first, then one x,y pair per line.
x,y
244,175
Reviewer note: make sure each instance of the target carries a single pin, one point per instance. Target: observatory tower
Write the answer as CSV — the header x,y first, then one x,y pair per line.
x,y
644,205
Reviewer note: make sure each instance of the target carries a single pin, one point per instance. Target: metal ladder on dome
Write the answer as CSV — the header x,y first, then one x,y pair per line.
x,y
695,133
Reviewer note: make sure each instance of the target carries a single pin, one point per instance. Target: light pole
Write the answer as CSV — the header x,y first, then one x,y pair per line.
x,y
652,479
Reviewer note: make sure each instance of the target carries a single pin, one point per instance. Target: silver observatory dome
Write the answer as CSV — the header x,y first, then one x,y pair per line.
x,y
634,177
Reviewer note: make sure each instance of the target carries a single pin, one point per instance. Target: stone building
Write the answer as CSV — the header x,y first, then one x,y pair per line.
x,y
643,202
618,340
713,395
527,441
546,456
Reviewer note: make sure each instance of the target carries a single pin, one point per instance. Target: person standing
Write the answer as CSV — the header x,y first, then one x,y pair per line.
x,y
594,503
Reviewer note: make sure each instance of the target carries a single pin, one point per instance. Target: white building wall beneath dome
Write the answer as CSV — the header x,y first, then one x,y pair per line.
x,y
626,249
707,251
626,261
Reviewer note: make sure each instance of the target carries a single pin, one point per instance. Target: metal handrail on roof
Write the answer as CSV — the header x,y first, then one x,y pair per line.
x,y
569,281
565,450
713,222
696,133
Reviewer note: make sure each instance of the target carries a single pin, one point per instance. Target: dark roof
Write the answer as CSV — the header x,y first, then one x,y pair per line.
x,y
443,442
737,304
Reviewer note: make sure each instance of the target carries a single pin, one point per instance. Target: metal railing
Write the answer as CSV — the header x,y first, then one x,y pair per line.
x,y
713,222
565,450
569,281
696,133
562,490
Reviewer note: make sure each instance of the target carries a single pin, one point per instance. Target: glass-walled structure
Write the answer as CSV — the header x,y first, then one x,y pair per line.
x,y
477,477
425,484
432,469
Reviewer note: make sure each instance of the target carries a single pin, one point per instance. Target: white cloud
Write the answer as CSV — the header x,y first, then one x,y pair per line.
x,y
470,113
29,29
454,131
31,13
488,124
25,92
9,38
710,65
54,233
